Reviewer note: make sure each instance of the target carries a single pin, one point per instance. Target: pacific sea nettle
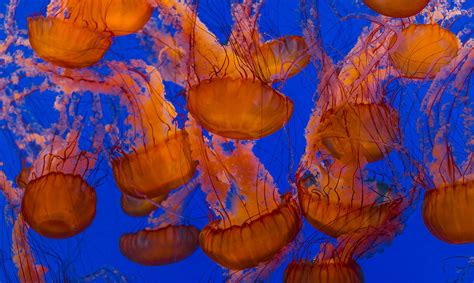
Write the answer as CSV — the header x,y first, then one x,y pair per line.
x,y
162,162
66,44
370,130
119,17
139,207
422,50
253,242
230,92
58,202
336,204
329,271
160,246
254,223
397,8
448,211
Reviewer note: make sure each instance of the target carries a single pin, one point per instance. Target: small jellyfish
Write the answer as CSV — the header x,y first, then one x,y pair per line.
x,y
161,246
422,50
280,58
397,8
119,17
66,44
138,207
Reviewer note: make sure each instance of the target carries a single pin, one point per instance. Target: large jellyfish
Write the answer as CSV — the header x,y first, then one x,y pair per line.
x,y
159,159
254,222
229,86
447,127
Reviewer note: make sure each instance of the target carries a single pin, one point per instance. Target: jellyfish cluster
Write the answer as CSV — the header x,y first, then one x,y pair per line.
x,y
179,112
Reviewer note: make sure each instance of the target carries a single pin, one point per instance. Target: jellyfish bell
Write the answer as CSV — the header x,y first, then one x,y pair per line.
x,y
169,160
448,210
239,108
280,58
341,208
66,44
59,205
397,8
348,130
256,241
119,17
138,207
161,246
422,50
329,271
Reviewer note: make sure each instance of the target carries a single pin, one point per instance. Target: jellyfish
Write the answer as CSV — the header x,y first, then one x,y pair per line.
x,y
168,240
423,50
58,202
139,207
66,44
254,222
119,17
229,86
352,138
161,157
446,125
338,263
398,8
161,246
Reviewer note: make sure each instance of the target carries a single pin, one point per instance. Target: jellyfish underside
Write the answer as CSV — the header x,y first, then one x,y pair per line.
x,y
140,207
239,108
161,246
423,50
59,205
244,246
326,212
119,17
323,272
366,129
65,44
448,212
155,171
280,58
397,8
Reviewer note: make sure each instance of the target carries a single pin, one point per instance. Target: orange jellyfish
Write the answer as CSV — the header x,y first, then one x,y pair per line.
x,y
323,272
448,204
397,8
422,50
165,245
119,17
58,202
161,160
139,207
350,134
339,264
65,43
229,86
254,223
367,129
168,241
